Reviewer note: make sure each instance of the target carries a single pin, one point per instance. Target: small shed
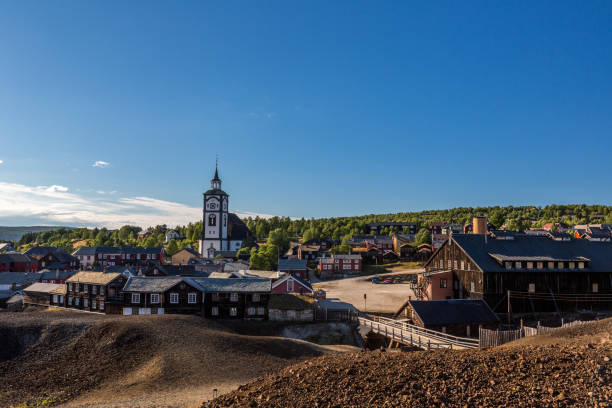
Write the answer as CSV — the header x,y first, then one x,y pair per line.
x,y
459,317
39,294
291,308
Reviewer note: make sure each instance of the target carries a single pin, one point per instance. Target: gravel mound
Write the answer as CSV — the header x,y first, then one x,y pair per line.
x,y
565,372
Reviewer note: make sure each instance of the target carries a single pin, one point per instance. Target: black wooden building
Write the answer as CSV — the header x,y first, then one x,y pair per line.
x,y
542,273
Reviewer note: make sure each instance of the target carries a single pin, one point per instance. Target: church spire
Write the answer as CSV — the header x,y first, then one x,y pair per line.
x,y
215,183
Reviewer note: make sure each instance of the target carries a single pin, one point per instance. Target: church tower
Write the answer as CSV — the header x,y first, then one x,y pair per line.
x,y
214,223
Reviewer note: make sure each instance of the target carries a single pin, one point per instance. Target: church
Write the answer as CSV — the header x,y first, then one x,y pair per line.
x,y
221,230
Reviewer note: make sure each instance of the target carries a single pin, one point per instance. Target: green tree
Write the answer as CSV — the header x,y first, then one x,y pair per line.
x,y
172,247
279,238
422,237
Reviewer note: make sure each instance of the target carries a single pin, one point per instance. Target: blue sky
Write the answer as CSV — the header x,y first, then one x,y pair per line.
x,y
315,109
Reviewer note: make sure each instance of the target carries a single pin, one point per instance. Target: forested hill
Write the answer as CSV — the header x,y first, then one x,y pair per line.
x,y
15,233
515,218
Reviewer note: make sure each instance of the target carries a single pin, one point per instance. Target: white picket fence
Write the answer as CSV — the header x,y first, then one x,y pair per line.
x,y
493,338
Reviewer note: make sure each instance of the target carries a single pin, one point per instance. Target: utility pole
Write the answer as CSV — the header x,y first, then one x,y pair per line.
x,y
509,308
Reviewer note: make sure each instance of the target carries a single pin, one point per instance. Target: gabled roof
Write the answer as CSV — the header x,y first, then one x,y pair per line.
x,y
238,229
55,274
251,273
14,256
97,278
597,254
300,281
43,287
18,278
292,264
235,285
453,311
151,284
189,250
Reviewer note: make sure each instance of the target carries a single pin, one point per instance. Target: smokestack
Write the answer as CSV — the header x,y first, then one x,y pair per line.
x,y
480,225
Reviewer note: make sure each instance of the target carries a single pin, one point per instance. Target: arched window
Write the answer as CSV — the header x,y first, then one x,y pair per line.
x,y
212,220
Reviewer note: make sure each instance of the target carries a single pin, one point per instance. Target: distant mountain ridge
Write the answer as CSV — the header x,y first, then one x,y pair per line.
x,y
15,233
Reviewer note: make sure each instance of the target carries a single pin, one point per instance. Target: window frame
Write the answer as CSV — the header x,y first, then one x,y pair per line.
x,y
233,311
135,298
190,296
234,297
154,298
174,298
443,283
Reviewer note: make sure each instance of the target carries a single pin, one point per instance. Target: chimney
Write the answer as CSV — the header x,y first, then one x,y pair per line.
x,y
480,225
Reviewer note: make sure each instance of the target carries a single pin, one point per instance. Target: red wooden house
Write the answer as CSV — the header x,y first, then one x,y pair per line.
x,y
17,262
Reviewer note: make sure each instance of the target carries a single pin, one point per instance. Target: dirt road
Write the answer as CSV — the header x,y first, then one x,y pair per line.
x,y
382,298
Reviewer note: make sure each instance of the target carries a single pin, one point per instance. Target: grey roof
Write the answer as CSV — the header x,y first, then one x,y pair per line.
x,y
15,257
55,274
19,278
234,285
292,264
453,311
151,284
117,250
598,253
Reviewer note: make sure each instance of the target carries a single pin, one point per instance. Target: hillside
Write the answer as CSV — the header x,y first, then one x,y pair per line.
x,y
113,361
15,233
570,368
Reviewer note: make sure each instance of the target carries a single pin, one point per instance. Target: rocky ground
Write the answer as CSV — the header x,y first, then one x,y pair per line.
x,y
571,368
87,360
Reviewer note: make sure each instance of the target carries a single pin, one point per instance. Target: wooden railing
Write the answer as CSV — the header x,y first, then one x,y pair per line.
x,y
409,334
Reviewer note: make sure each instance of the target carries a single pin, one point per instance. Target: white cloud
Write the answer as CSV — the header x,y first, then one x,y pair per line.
x,y
55,205
1,161
100,163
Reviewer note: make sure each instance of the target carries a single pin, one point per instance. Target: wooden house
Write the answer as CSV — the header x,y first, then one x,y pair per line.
x,y
161,295
96,292
543,274
39,294
458,317
235,298
295,267
291,284
183,256
291,308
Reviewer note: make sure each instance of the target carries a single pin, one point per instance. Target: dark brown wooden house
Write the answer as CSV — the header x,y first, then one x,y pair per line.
x,y
95,292
39,294
235,298
458,317
542,273
162,295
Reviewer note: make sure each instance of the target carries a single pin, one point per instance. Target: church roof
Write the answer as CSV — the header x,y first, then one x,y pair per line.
x,y
239,230
216,191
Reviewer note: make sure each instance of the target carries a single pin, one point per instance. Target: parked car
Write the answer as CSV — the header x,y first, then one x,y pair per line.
x,y
376,279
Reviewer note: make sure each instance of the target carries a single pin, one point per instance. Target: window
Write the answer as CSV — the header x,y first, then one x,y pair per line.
x,y
540,265
93,304
256,297
529,265
551,265
508,265
448,264
214,311
234,297
572,265
519,265
191,297
233,311
85,288
94,289
261,311
154,297
76,287
70,287
560,265
70,300
101,305
532,288
472,289
580,265
462,265
251,311
76,301
135,297
102,290
443,283
61,299
174,298
212,220
290,285
85,302
595,287
455,264
55,299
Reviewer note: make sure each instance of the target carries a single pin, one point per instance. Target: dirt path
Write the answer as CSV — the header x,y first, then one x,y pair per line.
x,y
381,298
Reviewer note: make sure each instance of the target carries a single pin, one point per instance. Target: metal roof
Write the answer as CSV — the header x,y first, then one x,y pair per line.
x,y
234,285
292,264
453,311
8,278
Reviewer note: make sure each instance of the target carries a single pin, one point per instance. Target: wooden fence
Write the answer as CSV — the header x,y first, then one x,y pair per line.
x,y
493,338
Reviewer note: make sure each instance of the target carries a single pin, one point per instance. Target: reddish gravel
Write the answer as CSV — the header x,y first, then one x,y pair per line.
x,y
564,372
